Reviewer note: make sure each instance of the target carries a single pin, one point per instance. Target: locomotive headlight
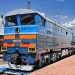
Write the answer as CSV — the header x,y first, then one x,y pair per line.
x,y
32,50
3,49
17,30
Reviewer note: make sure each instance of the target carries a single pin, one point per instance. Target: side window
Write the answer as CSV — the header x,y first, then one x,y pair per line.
x,y
42,21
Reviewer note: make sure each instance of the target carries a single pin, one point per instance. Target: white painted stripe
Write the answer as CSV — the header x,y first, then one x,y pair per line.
x,y
11,73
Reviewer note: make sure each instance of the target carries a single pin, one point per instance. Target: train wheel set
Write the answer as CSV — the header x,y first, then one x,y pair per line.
x,y
54,56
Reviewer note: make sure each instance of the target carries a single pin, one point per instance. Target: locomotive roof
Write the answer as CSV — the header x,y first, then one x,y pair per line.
x,y
20,11
27,11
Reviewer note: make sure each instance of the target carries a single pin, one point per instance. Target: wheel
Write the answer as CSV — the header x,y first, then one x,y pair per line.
x,y
74,51
48,60
70,52
60,56
39,64
54,57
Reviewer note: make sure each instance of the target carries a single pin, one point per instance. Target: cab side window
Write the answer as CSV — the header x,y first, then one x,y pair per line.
x,y
42,21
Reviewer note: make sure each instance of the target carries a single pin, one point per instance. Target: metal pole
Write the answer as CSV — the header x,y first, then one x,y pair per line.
x,y
28,7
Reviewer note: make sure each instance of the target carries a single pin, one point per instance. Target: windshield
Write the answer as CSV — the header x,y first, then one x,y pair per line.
x,y
11,20
27,19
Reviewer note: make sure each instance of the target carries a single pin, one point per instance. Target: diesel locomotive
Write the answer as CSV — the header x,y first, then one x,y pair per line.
x,y
32,39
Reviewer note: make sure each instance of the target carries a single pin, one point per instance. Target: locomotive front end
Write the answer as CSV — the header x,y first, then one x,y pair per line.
x,y
20,38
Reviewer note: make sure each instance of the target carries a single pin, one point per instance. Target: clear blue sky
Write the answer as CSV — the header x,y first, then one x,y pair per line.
x,y
59,10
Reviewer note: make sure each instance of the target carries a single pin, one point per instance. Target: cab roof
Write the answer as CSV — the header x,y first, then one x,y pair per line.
x,y
20,11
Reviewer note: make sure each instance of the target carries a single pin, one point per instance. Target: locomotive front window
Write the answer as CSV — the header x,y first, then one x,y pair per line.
x,y
27,19
11,20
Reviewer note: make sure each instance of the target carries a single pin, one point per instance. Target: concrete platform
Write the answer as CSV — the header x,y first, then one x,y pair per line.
x,y
62,67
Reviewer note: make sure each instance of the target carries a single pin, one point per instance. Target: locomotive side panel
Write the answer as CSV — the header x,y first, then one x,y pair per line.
x,y
44,41
41,41
50,43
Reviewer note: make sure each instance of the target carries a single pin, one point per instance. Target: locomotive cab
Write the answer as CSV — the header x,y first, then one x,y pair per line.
x,y
21,23
24,21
